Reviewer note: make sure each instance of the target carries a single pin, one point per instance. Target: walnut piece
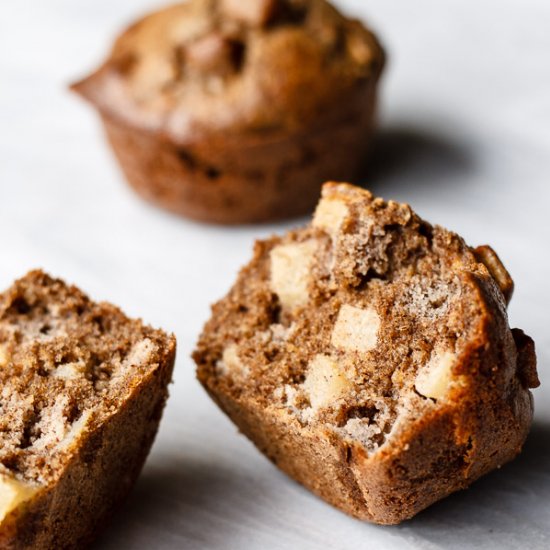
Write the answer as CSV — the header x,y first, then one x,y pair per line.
x,y
489,258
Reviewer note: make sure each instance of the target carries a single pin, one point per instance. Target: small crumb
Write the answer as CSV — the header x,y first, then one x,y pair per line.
x,y
70,371
230,363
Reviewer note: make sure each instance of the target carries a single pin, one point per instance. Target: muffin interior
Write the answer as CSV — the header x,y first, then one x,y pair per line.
x,y
66,364
352,323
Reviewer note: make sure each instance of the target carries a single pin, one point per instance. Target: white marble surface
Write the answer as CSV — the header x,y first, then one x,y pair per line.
x,y
465,138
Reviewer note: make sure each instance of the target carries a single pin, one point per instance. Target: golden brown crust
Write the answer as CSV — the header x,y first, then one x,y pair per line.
x,y
428,445
240,109
95,471
233,184
167,72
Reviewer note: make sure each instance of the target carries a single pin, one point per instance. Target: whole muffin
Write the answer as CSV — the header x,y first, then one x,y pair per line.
x,y
369,356
234,111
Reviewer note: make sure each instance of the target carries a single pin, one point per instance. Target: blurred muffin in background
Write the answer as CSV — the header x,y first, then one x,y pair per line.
x,y
235,111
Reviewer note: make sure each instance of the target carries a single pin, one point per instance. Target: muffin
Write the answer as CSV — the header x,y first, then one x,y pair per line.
x,y
369,356
233,111
82,392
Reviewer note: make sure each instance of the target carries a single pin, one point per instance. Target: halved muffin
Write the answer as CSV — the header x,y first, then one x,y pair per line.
x,y
369,356
82,389
233,111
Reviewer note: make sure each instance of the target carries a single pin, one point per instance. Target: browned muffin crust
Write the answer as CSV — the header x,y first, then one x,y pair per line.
x,y
197,69
82,392
229,100
369,356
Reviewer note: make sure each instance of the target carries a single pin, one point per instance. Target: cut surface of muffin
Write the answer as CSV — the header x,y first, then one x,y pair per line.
x,y
234,111
82,389
369,356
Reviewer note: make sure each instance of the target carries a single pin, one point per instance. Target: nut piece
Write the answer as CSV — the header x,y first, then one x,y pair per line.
x,y
290,272
527,359
325,382
330,214
213,54
252,12
4,356
435,379
12,493
231,363
356,329
489,258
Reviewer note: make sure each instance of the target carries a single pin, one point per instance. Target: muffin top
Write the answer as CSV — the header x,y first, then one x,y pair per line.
x,y
250,67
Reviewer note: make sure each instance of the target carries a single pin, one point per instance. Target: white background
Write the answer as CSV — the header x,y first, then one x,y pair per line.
x,y
465,137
